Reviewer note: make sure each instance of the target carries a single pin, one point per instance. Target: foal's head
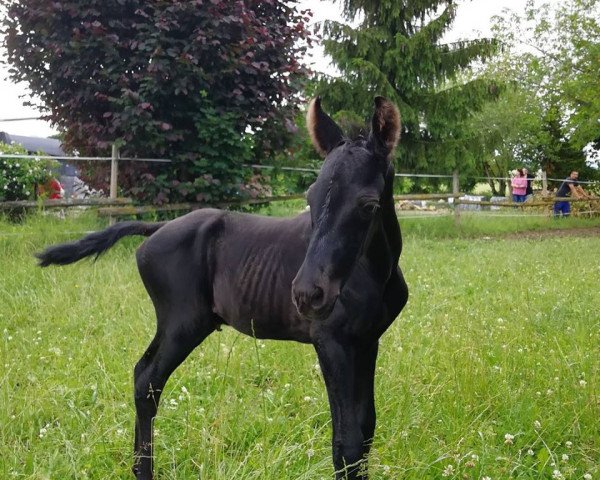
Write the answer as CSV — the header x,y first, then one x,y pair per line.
x,y
345,203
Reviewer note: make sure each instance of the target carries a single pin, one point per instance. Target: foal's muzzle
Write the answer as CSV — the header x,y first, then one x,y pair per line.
x,y
313,299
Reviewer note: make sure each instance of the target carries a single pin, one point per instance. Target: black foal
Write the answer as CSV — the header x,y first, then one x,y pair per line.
x,y
328,277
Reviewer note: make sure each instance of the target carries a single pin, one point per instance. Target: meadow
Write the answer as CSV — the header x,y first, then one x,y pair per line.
x,y
491,371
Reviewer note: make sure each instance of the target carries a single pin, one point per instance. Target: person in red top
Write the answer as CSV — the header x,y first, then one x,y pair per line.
x,y
519,186
55,190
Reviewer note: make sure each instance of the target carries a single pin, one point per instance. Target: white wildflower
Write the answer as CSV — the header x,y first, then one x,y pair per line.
x,y
448,471
508,439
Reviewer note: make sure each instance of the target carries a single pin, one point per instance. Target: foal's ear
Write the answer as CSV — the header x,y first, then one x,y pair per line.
x,y
324,132
385,126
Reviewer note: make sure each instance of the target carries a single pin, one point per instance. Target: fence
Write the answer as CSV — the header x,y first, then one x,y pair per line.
x,y
114,206
83,202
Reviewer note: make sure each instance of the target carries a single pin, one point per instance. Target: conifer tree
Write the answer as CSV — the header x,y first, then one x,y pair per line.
x,y
397,51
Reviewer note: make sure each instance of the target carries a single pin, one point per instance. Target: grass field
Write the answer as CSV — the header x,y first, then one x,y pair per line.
x,y
492,371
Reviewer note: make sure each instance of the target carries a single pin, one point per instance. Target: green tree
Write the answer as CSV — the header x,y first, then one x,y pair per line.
x,y
552,55
509,132
397,51
153,75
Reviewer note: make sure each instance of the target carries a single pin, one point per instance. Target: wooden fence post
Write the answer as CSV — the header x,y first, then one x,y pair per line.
x,y
114,173
544,183
114,170
455,192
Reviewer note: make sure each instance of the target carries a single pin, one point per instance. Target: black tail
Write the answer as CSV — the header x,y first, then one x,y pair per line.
x,y
95,243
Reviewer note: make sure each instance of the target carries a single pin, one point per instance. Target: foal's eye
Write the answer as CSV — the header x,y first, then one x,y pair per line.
x,y
370,208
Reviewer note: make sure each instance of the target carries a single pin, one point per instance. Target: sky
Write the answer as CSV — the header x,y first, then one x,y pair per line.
x,y
472,21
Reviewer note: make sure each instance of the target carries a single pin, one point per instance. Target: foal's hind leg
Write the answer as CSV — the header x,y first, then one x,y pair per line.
x,y
178,333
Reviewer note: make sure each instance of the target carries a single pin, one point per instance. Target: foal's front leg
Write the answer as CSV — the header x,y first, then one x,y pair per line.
x,y
364,388
337,359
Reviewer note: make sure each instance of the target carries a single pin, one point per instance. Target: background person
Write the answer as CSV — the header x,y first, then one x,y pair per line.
x,y
519,186
530,177
52,190
569,187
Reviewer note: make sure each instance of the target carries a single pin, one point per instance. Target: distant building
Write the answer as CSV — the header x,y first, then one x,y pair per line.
x,y
49,146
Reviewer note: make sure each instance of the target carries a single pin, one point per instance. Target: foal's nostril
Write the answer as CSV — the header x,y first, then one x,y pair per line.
x,y
308,300
300,300
316,299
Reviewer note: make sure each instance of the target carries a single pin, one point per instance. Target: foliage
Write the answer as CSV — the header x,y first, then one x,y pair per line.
x,y
487,346
555,58
19,177
509,132
397,52
152,75
205,175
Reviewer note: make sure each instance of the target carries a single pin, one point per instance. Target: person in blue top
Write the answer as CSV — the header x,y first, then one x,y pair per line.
x,y
569,187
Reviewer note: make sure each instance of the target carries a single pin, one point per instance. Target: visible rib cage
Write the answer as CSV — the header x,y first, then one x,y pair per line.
x,y
259,276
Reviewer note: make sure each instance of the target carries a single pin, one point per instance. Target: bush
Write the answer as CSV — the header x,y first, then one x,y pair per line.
x,y
212,171
19,177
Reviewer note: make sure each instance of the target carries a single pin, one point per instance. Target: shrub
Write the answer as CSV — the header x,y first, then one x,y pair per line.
x,y
19,177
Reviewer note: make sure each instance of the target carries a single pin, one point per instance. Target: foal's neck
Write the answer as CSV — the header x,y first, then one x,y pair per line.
x,y
389,218
383,251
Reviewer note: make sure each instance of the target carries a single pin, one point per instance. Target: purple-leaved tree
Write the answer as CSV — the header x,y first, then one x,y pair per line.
x,y
154,76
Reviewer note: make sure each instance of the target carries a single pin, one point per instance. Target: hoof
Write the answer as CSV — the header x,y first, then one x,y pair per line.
x,y
137,473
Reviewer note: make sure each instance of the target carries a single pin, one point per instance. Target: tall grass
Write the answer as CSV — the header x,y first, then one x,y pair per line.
x,y
492,370
469,225
476,225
